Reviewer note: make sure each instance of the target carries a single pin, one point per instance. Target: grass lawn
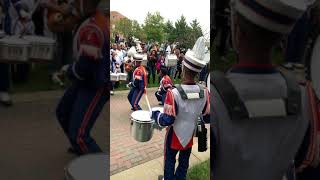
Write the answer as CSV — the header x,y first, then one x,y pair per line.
x,y
122,85
39,80
199,172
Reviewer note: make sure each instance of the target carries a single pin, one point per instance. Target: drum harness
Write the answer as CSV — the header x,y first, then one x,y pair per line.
x,y
201,130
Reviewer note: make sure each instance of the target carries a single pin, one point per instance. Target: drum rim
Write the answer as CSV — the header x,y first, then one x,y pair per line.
x,y
68,166
142,122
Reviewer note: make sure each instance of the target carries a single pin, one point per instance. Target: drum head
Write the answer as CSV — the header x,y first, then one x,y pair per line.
x,y
157,109
141,116
314,67
93,167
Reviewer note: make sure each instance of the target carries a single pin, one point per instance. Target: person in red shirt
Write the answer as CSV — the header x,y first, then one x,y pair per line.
x,y
165,84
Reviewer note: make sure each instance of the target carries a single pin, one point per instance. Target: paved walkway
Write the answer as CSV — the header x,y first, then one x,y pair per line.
x,y
152,169
125,152
33,146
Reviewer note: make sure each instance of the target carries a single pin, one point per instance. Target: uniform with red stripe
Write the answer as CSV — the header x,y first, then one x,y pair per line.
x,y
82,103
180,115
165,84
138,87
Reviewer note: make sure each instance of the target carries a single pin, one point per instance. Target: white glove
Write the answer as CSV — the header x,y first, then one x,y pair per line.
x,y
25,14
65,68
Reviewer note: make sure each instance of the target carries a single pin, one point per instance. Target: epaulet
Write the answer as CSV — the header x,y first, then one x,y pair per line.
x,y
169,104
90,41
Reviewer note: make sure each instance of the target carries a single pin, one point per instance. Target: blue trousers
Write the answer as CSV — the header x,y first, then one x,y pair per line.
x,y
4,77
160,97
77,113
134,98
170,160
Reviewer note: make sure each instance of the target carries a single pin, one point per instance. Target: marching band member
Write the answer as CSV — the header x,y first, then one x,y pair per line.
x,y
259,113
82,103
165,84
139,84
183,105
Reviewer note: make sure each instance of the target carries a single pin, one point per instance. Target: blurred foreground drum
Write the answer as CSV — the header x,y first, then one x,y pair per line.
x,y
15,49
42,48
114,77
171,60
93,167
141,126
122,76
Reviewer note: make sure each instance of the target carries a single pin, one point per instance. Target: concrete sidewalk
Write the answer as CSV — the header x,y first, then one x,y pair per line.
x,y
152,169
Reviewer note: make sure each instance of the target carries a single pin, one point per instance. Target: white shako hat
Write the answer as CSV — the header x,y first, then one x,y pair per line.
x,y
274,15
132,51
195,59
138,57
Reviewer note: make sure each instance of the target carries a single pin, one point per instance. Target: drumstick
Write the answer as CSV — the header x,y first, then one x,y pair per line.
x,y
148,103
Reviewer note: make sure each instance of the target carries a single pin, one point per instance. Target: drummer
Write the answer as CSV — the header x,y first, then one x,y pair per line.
x,y
82,103
165,84
249,127
139,84
183,105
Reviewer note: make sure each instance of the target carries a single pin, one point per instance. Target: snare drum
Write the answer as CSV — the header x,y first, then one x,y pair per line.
x,y
141,126
42,48
144,61
93,167
114,77
122,76
13,48
171,60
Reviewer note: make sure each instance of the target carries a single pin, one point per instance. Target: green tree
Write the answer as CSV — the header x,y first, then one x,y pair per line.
x,y
182,31
124,27
169,30
195,32
154,27
137,30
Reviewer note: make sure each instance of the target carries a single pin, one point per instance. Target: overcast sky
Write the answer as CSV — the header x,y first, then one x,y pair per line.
x,y
169,9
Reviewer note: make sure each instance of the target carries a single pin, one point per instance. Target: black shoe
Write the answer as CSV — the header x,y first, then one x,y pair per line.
x,y
160,177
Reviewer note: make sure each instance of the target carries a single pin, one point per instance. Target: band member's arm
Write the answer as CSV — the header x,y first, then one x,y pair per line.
x,y
206,110
168,117
90,54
